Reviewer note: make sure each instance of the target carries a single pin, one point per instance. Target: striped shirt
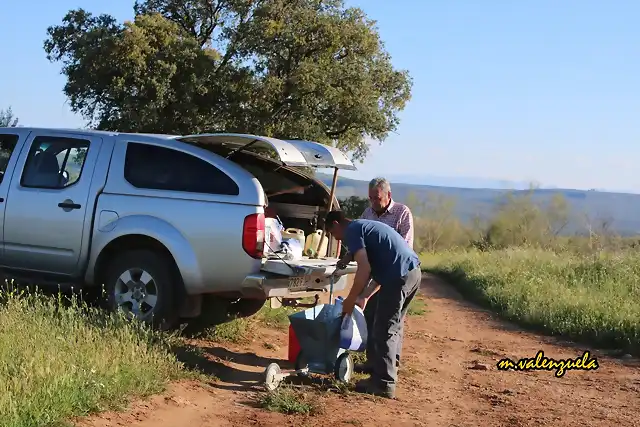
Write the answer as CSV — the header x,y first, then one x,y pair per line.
x,y
396,216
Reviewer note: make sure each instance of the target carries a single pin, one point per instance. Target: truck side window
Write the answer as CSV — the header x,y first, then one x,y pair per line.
x,y
54,162
161,168
7,145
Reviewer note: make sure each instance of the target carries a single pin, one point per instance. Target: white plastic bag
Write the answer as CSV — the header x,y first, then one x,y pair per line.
x,y
273,235
292,249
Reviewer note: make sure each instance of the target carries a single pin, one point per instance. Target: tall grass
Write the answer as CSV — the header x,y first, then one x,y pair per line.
x,y
63,360
593,299
242,329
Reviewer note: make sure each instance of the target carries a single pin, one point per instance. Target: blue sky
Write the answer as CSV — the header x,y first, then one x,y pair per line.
x,y
503,90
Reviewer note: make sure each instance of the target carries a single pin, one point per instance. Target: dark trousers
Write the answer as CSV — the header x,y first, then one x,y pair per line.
x,y
387,332
369,315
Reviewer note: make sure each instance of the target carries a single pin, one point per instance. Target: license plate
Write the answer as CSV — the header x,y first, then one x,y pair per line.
x,y
297,283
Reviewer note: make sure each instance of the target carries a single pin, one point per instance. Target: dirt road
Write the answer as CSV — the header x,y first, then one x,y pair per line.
x,y
439,385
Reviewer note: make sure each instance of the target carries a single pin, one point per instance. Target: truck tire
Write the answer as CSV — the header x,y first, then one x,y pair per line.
x,y
143,284
246,307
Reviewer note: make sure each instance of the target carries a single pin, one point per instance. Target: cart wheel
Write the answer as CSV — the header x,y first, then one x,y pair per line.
x,y
272,377
344,368
301,363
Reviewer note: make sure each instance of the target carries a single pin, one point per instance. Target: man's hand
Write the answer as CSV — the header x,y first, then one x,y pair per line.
x,y
362,302
344,261
348,305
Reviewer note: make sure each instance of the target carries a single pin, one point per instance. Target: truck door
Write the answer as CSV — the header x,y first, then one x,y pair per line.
x,y
47,202
9,150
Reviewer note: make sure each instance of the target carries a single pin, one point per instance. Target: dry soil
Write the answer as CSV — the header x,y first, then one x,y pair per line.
x,y
449,378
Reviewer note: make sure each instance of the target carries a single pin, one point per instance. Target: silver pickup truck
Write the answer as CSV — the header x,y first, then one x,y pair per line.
x,y
166,225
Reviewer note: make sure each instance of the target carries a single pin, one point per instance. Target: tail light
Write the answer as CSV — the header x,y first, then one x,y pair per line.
x,y
253,235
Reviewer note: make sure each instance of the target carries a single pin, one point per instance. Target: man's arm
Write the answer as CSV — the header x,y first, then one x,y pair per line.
x,y
345,260
354,240
405,226
368,292
360,281
371,288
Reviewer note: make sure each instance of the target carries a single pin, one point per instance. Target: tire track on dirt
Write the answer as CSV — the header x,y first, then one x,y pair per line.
x,y
438,386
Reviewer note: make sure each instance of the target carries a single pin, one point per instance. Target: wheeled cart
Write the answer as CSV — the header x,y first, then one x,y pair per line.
x,y
318,333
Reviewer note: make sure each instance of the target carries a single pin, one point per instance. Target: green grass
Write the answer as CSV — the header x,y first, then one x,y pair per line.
x,y
276,317
241,329
59,361
595,300
233,331
286,400
417,307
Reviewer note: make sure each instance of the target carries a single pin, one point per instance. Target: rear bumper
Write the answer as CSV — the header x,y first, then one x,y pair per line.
x,y
266,285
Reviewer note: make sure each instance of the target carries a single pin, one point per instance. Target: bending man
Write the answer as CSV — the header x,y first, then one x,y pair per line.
x,y
381,253
397,216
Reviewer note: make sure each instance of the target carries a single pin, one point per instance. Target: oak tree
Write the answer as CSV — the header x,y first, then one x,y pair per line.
x,y
299,69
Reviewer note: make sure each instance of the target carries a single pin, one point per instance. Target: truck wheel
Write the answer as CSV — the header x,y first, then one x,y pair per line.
x,y
141,283
246,307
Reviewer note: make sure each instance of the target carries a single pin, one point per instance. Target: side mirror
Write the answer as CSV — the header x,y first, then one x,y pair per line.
x,y
65,176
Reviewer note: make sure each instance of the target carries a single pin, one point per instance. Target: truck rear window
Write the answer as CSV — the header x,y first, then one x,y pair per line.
x,y
7,145
160,168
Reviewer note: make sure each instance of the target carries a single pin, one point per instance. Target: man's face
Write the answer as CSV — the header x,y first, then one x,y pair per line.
x,y
379,198
336,230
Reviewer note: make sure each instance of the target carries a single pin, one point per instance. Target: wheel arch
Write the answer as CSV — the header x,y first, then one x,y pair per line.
x,y
143,232
131,242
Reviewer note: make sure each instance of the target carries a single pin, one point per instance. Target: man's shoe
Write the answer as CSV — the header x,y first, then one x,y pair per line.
x,y
376,389
363,368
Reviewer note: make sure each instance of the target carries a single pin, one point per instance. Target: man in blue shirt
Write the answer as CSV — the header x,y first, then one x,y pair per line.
x,y
383,255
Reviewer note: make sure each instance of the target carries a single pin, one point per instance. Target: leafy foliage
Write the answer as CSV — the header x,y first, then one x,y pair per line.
x,y
354,206
7,119
302,69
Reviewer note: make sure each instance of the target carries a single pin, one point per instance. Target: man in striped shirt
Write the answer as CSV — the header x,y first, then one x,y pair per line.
x,y
396,215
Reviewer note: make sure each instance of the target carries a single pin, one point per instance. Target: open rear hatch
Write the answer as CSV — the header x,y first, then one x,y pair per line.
x,y
289,153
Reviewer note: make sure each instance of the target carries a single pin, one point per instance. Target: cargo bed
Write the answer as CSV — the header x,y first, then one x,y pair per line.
x,y
305,267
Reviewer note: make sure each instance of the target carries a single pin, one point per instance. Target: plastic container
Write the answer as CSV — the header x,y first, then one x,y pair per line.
x,y
334,248
311,244
353,331
294,233
337,307
273,234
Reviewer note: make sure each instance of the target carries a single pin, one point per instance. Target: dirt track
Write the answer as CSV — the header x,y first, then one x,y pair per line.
x,y
437,385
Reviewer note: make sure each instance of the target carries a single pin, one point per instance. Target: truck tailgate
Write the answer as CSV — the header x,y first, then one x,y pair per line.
x,y
306,267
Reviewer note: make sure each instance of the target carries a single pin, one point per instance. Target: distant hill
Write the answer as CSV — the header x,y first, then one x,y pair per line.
x,y
622,210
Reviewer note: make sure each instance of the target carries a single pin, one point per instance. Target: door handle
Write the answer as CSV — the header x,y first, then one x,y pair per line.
x,y
68,205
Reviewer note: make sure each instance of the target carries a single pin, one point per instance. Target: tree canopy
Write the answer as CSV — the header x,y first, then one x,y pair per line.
x,y
300,69
7,119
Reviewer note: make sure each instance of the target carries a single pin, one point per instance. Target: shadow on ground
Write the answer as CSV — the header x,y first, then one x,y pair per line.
x,y
227,367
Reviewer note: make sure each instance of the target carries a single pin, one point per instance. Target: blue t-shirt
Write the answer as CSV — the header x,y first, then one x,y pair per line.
x,y
390,256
